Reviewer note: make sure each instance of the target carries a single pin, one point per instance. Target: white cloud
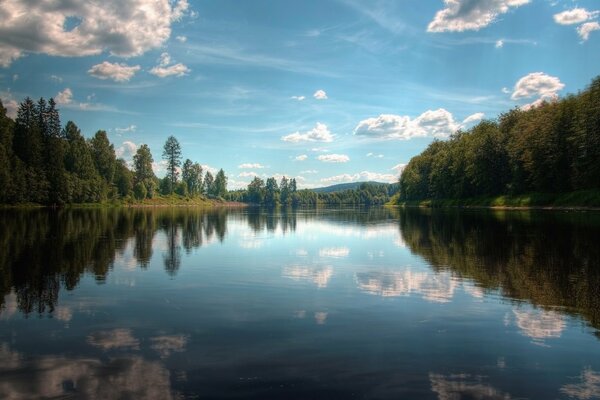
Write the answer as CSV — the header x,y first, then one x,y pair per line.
x,y
537,84
181,39
247,174
126,150
10,104
505,90
359,177
130,128
299,98
320,133
574,16
56,78
163,69
464,15
124,28
117,72
301,157
320,95
64,97
587,28
251,166
438,123
334,158
374,155
309,171
398,168
499,44
473,118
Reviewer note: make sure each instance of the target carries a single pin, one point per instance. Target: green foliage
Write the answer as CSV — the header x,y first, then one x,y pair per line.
x,y
552,148
103,154
172,155
139,191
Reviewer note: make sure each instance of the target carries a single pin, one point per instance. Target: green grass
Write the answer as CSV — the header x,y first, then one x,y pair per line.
x,y
579,199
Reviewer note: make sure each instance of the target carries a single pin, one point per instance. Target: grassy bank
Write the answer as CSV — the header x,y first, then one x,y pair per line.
x,y
159,201
585,199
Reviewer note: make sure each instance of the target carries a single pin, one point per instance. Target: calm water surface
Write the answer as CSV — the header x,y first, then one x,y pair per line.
x,y
376,303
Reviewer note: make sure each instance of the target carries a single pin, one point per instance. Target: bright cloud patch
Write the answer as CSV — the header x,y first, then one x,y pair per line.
x,y
587,28
574,16
334,158
359,177
537,84
438,123
64,97
126,150
247,174
320,133
473,118
301,157
163,69
130,128
251,166
117,72
320,95
299,98
122,27
466,15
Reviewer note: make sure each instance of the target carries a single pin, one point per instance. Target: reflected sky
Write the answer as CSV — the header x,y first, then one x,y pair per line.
x,y
377,303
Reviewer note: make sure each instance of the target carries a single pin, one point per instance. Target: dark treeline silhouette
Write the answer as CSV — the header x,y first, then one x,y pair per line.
x,y
271,194
42,162
549,260
553,147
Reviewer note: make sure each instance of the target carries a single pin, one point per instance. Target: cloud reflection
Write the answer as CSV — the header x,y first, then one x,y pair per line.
x,y
464,386
114,339
434,287
167,344
319,275
589,388
540,324
82,378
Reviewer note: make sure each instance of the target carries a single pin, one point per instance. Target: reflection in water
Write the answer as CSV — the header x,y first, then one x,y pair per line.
x,y
114,339
84,378
540,324
548,259
587,389
334,252
436,287
166,344
319,275
463,386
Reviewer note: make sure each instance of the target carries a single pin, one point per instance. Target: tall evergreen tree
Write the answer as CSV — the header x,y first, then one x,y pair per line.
x,y
172,155
143,173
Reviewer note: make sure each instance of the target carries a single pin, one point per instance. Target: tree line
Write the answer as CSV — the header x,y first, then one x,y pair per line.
x,y
551,148
42,162
285,193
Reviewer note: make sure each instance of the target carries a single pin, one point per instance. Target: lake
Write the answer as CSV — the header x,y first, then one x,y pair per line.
x,y
361,303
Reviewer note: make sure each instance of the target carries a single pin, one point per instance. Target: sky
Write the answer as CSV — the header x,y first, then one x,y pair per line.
x,y
325,91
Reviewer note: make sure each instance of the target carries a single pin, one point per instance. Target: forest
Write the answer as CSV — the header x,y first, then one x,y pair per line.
x,y
269,193
550,148
43,163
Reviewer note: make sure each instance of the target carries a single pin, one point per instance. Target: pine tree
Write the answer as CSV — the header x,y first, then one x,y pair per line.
x,y
172,155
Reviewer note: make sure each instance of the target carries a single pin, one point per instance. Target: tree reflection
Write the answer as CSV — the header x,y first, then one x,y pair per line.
x,y
548,259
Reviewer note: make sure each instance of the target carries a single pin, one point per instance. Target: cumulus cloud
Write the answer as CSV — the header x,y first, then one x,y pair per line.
x,y
64,97
466,15
126,150
117,72
123,28
334,158
398,168
251,166
320,95
320,133
574,16
301,157
587,28
438,123
359,177
537,84
163,69
10,104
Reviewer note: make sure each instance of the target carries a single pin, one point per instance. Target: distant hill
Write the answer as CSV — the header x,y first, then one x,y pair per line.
x,y
344,186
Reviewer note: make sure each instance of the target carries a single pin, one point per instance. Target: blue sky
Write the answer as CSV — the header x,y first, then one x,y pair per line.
x,y
327,91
